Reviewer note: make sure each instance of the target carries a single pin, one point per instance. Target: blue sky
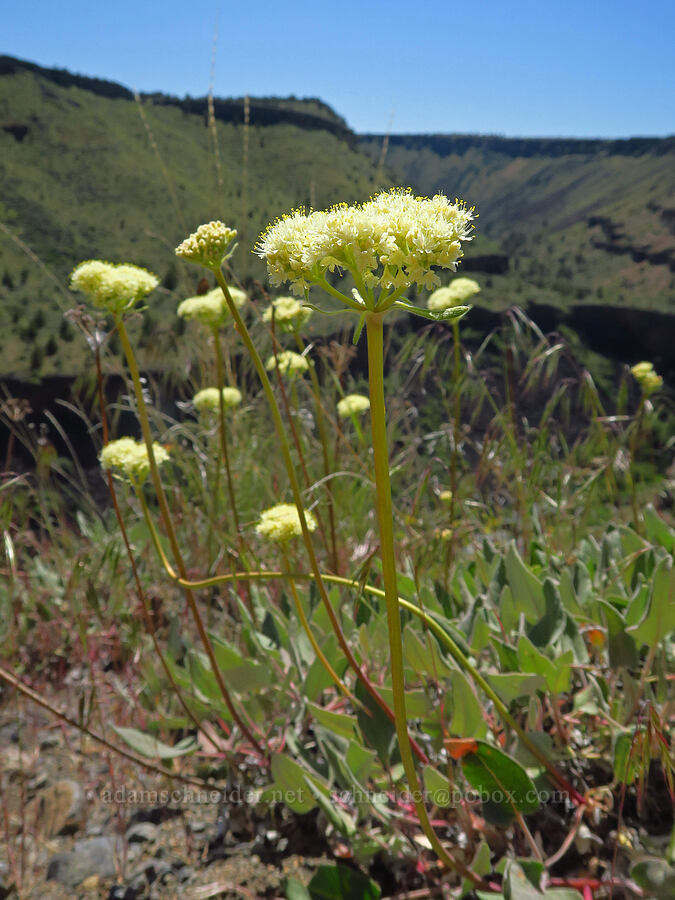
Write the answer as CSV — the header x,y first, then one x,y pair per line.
x,y
514,67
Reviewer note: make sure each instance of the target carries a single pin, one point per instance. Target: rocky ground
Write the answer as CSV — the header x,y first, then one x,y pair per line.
x,y
76,822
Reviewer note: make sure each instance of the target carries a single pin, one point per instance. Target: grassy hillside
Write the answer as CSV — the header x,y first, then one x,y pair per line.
x,y
579,220
83,177
89,171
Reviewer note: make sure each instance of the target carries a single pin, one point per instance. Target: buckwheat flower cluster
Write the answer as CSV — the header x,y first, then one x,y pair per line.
x,y
352,405
289,363
209,245
455,294
207,399
210,309
113,287
394,240
289,314
645,375
281,523
130,458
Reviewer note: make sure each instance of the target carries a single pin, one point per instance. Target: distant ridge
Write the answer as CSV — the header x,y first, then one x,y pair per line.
x,y
263,110
448,144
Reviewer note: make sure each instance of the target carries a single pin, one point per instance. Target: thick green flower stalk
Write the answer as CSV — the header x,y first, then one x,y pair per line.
x,y
389,244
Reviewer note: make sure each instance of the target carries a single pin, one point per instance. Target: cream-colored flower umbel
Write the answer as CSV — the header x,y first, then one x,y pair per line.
x,y
210,309
393,241
352,405
209,245
646,377
457,292
130,458
207,399
116,288
281,523
288,313
289,363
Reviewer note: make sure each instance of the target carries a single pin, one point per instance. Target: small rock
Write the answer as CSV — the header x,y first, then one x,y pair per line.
x,y
6,886
122,892
91,857
185,874
50,740
57,810
142,831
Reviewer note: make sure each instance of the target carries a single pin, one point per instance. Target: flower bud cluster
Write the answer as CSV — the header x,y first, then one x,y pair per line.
x,y
289,363
455,294
352,405
281,523
113,287
209,245
210,309
288,313
646,377
130,458
207,399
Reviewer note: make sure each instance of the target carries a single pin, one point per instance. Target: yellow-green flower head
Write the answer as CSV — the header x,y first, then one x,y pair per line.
x,y
455,294
445,496
290,363
647,378
210,309
130,457
352,405
112,287
289,314
208,245
280,523
641,369
395,240
207,399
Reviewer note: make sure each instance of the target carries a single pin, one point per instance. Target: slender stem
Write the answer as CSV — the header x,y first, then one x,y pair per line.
x,y
321,656
323,437
171,533
297,499
385,521
223,432
631,462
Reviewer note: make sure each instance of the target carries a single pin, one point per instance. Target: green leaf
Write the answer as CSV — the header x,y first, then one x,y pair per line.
x,y
150,747
551,625
503,784
655,876
295,890
338,723
659,619
437,786
512,685
444,315
377,729
528,592
467,712
657,530
558,673
621,646
317,678
340,883
289,780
